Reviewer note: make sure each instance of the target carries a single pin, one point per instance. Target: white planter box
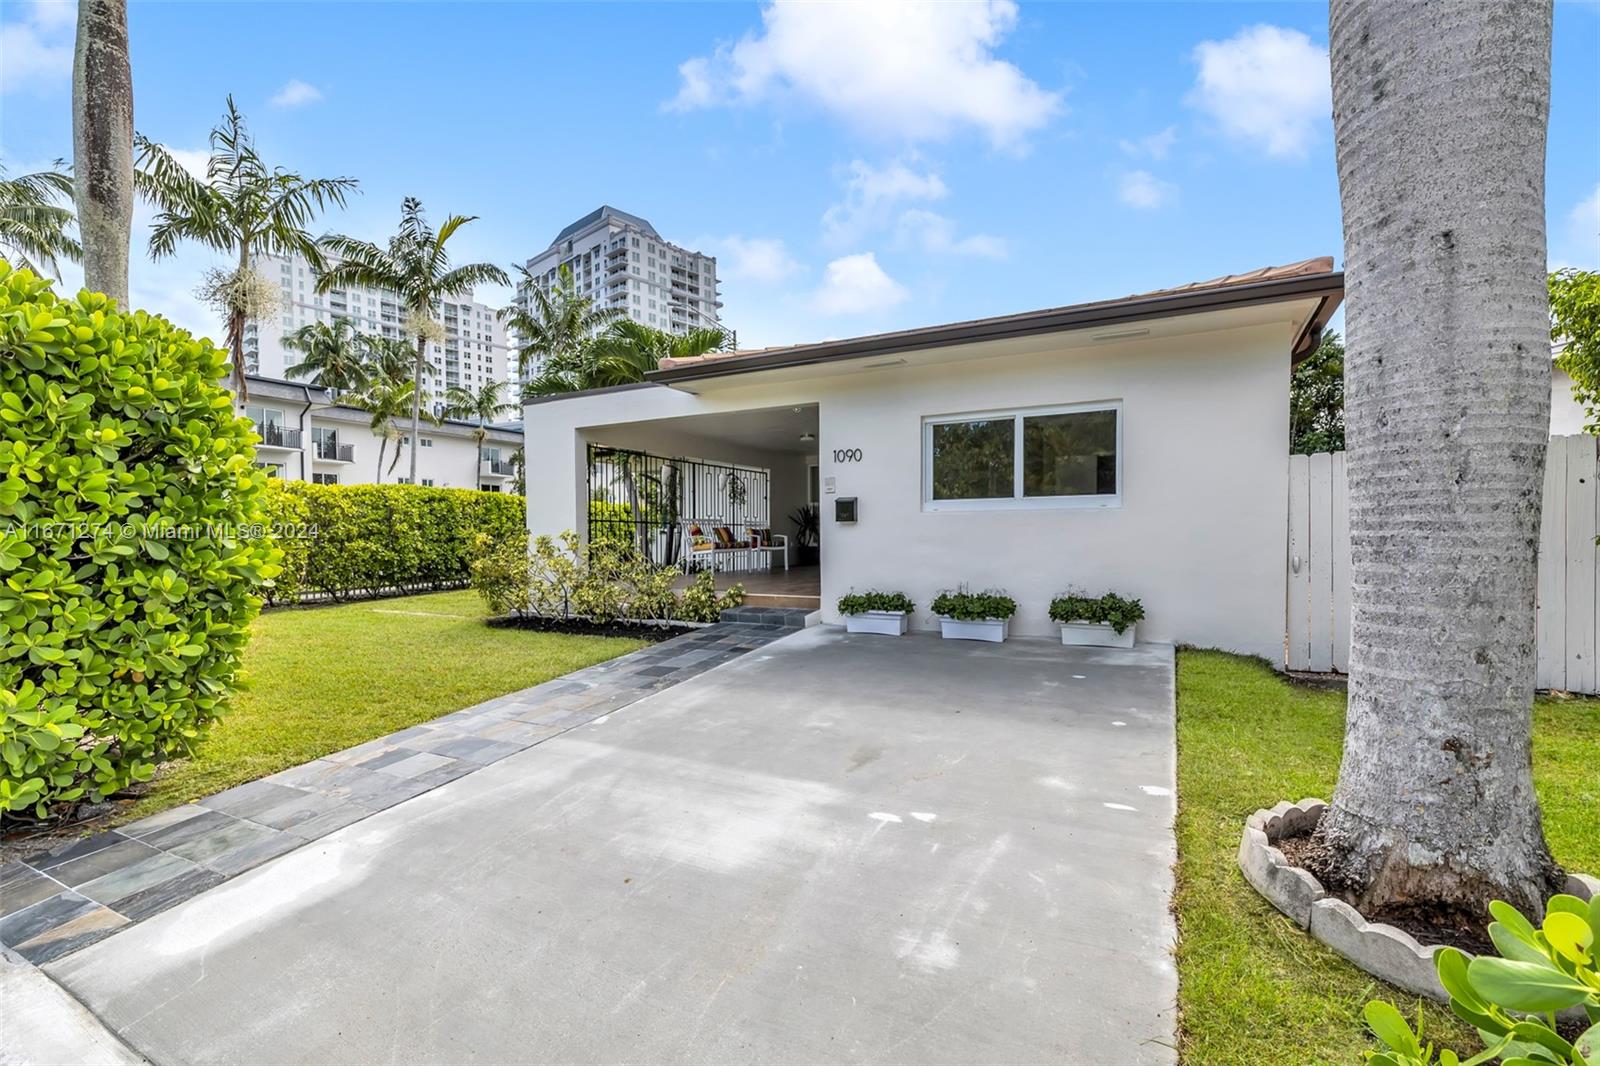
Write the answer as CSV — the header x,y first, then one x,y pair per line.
x,y
993,630
1096,635
884,623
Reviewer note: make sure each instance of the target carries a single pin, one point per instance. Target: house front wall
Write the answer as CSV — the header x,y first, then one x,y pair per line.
x,y
1198,534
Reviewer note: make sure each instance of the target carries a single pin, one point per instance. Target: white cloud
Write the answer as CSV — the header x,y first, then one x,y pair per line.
x,y
856,284
763,260
1154,146
1145,191
908,71
934,233
1577,243
195,160
1265,85
296,93
37,48
871,197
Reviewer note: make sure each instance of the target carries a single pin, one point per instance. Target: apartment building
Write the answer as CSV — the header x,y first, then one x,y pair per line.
x,y
620,261
305,436
474,349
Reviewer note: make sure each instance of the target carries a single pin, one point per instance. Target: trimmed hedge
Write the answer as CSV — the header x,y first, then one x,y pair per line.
x,y
353,541
132,544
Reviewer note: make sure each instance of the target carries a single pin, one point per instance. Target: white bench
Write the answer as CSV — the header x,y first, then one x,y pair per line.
x,y
704,550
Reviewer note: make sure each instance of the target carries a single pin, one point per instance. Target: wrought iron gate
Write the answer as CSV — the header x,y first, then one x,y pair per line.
x,y
643,501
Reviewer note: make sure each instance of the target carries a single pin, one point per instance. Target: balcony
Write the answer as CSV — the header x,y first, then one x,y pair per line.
x,y
494,467
331,451
279,438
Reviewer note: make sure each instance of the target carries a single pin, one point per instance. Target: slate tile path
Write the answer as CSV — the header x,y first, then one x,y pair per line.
x,y
53,904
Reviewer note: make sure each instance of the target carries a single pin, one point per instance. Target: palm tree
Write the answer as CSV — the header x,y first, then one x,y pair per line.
x,y
484,404
386,400
391,359
553,324
102,144
334,355
242,208
33,225
416,267
1440,137
621,355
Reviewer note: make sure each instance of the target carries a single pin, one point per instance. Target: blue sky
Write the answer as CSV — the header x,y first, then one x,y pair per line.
x,y
854,167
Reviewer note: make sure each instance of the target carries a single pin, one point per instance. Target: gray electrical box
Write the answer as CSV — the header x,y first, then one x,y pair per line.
x,y
844,509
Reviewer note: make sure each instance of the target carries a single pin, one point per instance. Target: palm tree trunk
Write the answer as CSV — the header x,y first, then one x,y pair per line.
x,y
102,144
383,446
416,405
1440,130
477,462
236,321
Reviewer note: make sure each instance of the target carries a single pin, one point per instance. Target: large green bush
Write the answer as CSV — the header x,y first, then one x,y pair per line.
x,y
344,541
131,544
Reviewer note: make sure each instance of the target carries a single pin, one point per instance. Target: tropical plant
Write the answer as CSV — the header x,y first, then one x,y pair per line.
x,y
1438,732
34,226
1111,609
1316,400
386,401
334,355
482,405
128,490
964,606
102,145
416,267
1575,326
241,208
862,602
620,354
1512,1000
807,525
552,323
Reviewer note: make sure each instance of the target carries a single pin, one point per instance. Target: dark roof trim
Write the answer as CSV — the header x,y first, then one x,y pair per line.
x,y
1330,287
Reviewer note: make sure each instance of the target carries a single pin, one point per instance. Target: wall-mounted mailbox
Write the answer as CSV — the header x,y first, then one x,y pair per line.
x,y
844,509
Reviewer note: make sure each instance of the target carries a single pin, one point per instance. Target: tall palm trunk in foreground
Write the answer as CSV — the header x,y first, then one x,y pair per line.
x,y
1440,129
102,144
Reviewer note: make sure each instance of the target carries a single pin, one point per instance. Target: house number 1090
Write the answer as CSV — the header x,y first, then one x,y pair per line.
x,y
847,455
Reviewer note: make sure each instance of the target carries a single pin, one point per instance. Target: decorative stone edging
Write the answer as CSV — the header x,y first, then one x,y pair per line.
x,y
1381,950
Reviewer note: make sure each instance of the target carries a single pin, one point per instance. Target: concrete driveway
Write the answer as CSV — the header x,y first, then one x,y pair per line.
x,y
834,849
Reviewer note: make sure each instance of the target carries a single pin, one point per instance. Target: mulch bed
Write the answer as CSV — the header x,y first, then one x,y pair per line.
x,y
22,837
585,628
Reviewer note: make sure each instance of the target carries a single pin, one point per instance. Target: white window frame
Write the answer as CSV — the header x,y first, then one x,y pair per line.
x,y
1017,501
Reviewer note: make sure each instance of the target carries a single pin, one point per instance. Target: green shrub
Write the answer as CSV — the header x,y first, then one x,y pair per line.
x,y
373,540
964,606
1110,609
132,551
499,572
701,602
1512,1000
862,602
286,519
612,523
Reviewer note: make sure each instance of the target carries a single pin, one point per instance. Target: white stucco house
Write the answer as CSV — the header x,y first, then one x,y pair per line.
x,y
1135,445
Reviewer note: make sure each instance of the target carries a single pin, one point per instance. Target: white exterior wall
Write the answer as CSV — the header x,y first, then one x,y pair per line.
x,y
1566,414
1199,535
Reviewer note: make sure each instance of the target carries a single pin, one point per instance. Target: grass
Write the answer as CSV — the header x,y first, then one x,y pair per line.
x,y
1252,987
326,678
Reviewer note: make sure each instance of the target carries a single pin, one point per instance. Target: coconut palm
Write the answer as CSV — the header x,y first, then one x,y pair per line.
x,y
241,208
33,223
483,405
1440,138
386,400
553,323
102,145
416,267
623,354
334,355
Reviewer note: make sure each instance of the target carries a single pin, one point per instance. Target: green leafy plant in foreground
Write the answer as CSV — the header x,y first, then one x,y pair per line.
x,y
964,606
862,602
1512,1000
1111,609
130,558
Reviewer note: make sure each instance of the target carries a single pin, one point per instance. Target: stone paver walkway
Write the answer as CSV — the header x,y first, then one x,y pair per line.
x,y
53,904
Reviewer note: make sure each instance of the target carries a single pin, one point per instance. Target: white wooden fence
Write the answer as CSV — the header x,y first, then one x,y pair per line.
x,y
1317,633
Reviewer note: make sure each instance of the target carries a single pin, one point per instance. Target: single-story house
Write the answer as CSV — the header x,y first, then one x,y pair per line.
x,y
1135,445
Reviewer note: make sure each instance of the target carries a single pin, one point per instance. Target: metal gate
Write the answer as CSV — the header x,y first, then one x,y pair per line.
x,y
642,501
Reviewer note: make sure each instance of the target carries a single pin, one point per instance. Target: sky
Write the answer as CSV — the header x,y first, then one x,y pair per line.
x,y
854,167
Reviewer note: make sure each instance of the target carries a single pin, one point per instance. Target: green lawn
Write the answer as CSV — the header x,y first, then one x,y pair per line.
x,y
326,678
1252,987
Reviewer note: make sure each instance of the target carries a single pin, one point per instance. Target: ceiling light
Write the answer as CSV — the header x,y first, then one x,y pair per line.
x,y
807,438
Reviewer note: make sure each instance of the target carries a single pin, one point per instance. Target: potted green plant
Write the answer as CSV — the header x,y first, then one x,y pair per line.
x,y
884,613
965,615
1105,621
807,534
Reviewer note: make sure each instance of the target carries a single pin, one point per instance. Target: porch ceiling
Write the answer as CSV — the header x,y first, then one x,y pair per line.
x,y
770,429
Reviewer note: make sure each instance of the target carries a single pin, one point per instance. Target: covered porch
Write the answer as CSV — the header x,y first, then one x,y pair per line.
x,y
798,586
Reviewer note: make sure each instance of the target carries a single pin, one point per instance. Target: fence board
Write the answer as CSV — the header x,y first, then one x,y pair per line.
x,y
1317,624
1298,639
